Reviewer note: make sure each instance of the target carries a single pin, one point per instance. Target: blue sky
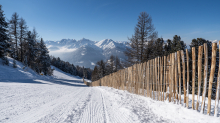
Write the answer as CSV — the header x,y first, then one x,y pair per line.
x,y
116,19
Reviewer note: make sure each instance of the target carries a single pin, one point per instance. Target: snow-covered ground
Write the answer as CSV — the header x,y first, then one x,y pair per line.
x,y
26,98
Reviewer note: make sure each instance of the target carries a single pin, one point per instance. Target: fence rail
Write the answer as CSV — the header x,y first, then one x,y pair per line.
x,y
169,77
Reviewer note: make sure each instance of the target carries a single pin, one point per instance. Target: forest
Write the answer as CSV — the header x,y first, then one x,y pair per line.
x,y
18,42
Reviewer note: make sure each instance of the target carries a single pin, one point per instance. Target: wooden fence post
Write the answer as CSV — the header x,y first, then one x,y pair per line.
x,y
143,77
158,78
187,86
171,79
128,79
164,80
217,92
193,74
161,68
161,78
179,74
155,80
184,77
138,79
135,79
214,48
167,76
176,78
199,74
151,76
148,78
205,77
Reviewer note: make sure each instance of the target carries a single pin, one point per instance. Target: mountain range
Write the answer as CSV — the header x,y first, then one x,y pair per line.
x,y
85,52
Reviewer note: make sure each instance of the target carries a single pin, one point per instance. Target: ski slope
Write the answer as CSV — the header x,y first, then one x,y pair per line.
x,y
65,98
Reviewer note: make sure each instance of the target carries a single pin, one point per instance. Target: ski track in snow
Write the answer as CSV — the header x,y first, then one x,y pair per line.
x,y
65,99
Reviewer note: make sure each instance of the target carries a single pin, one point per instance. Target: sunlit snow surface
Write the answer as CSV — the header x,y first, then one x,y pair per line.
x,y
29,98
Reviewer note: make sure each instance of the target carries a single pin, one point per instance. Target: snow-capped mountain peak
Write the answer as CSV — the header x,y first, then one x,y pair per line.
x,y
106,43
85,52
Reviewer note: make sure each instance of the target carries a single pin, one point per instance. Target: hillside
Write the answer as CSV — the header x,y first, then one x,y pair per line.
x,y
21,72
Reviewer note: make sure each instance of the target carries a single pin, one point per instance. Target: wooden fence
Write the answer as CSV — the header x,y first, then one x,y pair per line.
x,y
168,77
87,83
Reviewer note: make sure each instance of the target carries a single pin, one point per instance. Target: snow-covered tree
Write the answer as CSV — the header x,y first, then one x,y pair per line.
x,y
31,50
13,28
44,58
22,35
4,38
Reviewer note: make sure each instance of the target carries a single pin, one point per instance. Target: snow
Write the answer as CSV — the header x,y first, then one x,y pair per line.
x,y
20,72
26,97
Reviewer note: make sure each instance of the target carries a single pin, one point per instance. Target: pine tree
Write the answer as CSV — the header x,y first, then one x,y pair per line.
x,y
118,65
14,22
22,35
132,52
167,47
159,49
144,32
177,44
101,68
149,52
111,64
95,74
44,58
4,38
34,34
31,50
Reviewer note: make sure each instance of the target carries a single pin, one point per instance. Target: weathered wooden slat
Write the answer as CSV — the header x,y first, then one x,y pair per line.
x,y
199,74
187,80
148,77
164,80
179,75
193,75
171,79
167,76
217,92
143,78
129,78
211,77
184,75
140,82
161,78
155,90
151,77
158,78
176,78
140,79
